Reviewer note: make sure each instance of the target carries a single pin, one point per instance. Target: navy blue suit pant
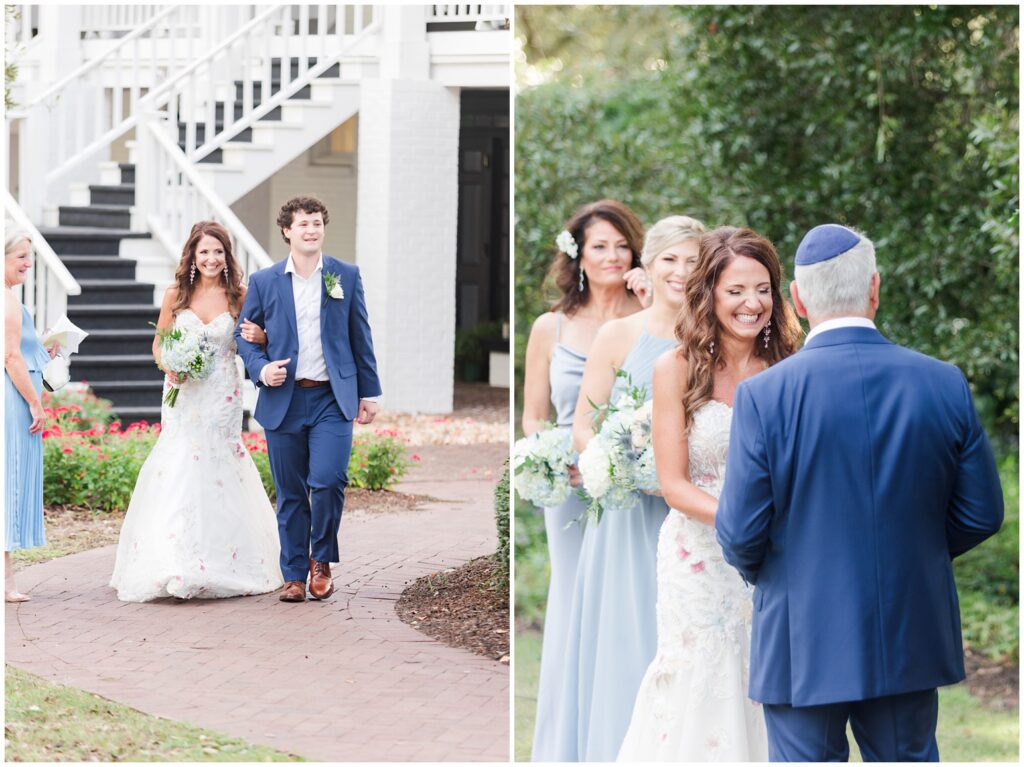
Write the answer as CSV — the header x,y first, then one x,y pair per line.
x,y
894,728
309,455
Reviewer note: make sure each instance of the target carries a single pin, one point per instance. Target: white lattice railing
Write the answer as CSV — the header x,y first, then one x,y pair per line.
x,y
238,75
82,114
49,283
175,196
469,12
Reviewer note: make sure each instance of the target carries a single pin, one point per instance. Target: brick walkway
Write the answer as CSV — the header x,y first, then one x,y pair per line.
x,y
341,680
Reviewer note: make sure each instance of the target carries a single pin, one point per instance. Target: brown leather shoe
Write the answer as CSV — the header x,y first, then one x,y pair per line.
x,y
321,585
293,591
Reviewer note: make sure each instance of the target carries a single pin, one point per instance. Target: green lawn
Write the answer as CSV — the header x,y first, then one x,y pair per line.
x,y
46,722
967,731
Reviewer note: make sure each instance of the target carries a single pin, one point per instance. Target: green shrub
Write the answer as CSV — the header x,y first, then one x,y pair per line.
x,y
77,409
501,517
97,468
378,461
899,120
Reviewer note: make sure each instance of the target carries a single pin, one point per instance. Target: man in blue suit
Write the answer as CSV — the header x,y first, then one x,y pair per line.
x,y
857,471
316,374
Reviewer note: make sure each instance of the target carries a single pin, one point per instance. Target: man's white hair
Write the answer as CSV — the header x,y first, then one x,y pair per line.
x,y
840,285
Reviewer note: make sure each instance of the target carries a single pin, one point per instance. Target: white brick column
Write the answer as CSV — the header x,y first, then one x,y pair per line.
x,y
406,221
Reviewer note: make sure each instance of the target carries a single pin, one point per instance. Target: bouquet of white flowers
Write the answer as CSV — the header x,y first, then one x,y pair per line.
x,y
618,462
541,466
186,352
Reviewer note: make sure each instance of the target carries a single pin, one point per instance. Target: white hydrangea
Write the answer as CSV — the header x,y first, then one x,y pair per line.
x,y
541,466
618,462
595,468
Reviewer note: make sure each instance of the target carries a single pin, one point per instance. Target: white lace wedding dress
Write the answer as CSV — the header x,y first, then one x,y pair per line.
x,y
692,705
199,523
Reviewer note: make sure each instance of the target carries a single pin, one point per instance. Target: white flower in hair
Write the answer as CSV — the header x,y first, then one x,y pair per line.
x,y
566,244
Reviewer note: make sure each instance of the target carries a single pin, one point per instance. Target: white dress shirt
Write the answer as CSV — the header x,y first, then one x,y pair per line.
x,y
307,294
839,322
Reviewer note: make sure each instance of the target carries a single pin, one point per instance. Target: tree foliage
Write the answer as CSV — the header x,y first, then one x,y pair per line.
x,y
900,121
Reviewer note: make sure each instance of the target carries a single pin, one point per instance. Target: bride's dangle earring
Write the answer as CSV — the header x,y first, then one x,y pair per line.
x,y
711,348
227,279
767,332
581,279
192,274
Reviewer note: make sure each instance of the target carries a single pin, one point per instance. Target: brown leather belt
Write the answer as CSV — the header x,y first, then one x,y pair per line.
x,y
309,383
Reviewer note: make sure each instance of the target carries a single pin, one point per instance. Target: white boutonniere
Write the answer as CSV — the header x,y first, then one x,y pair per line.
x,y
333,285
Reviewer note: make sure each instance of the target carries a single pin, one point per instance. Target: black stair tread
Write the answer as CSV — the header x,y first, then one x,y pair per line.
x,y
102,282
112,187
99,207
97,259
109,307
134,413
119,333
91,233
126,165
156,383
126,358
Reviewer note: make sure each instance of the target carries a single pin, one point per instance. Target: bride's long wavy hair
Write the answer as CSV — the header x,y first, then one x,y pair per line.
x,y
183,274
697,325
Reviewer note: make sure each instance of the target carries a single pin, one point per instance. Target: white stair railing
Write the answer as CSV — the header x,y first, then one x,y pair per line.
x,y
174,196
49,283
20,23
489,14
237,76
82,114
116,20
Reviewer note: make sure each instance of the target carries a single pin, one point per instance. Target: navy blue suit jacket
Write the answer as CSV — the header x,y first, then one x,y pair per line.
x,y
344,334
857,470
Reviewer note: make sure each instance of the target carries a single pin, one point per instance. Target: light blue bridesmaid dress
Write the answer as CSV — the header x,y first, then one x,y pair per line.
x,y
23,477
565,537
612,625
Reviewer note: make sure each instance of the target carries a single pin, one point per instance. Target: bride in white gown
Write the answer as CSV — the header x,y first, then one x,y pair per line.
x,y
692,705
199,523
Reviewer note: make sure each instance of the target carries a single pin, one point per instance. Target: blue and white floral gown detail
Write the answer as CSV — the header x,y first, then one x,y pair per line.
x,y
199,523
693,705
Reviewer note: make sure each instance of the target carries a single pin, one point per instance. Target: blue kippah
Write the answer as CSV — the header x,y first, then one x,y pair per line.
x,y
824,242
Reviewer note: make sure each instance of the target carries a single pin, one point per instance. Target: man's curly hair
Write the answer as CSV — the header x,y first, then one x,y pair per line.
x,y
293,206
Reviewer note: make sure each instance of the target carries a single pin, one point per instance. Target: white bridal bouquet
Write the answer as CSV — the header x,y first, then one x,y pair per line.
x,y
618,462
186,352
541,466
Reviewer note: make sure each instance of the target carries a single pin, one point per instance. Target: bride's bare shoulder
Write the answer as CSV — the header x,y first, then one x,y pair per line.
x,y
670,369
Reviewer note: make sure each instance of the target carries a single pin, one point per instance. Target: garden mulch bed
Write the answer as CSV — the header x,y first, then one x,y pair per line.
x,y
996,684
383,501
462,608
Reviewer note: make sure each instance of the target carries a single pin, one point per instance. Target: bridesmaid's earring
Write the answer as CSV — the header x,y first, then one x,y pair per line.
x,y
581,279
192,274
226,278
711,348
767,332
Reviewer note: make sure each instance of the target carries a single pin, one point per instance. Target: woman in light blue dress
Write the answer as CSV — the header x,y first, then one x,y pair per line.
x,y
24,360
594,272
612,633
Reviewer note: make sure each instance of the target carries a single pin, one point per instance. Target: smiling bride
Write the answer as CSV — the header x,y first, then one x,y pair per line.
x,y
199,523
